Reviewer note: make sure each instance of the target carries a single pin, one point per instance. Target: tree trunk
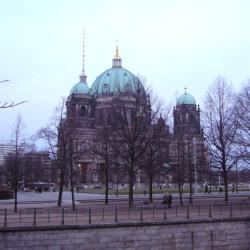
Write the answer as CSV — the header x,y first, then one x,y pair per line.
x,y
190,193
15,205
61,184
180,193
179,169
73,197
106,183
190,176
71,178
116,185
150,189
131,187
72,191
225,177
190,186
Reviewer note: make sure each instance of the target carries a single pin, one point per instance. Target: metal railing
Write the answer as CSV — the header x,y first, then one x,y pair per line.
x,y
83,215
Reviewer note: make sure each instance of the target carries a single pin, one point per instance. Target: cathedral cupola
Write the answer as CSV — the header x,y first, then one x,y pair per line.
x,y
186,99
116,81
186,115
80,104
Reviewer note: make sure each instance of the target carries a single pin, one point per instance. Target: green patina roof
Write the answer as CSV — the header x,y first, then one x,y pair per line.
x,y
186,99
115,80
80,88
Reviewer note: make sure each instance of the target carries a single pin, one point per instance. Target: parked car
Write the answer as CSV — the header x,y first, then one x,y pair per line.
x,y
83,186
5,192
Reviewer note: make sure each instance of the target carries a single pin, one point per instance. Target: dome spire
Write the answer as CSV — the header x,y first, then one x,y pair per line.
x,y
83,76
117,53
117,61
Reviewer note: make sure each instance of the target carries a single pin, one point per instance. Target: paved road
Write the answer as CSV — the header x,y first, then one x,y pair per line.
x,y
26,199
51,197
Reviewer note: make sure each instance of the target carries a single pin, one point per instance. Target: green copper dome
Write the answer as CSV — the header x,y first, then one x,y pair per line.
x,y
186,99
80,88
116,80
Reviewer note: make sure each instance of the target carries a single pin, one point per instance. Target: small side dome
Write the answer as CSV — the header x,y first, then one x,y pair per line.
x,y
80,88
186,99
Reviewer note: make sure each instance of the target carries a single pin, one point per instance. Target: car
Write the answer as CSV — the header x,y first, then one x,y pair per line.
x,y
83,186
52,189
5,192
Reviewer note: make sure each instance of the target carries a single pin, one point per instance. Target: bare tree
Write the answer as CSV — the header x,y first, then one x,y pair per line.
x,y
157,153
55,135
71,160
133,116
13,161
67,153
190,173
243,135
221,123
180,148
61,160
6,105
102,148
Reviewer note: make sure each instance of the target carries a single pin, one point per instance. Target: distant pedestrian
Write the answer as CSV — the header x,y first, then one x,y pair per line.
x,y
206,189
233,188
170,198
165,199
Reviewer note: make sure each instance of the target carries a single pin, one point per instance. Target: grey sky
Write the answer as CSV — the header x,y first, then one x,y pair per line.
x,y
171,43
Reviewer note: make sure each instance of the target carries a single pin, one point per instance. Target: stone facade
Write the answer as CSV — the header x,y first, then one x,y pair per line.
x,y
36,167
216,234
88,110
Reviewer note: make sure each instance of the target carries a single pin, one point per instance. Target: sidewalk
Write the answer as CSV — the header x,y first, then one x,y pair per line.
x,y
49,199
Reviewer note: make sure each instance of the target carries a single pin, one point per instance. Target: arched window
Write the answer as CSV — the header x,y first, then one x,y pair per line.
x,y
128,87
191,118
83,111
105,88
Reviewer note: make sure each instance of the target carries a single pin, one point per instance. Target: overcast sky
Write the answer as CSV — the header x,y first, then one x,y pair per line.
x,y
172,43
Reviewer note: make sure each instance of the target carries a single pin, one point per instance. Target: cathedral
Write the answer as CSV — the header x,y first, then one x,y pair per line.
x,y
89,108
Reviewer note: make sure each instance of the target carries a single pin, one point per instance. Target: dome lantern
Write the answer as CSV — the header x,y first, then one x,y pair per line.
x,y
117,61
80,88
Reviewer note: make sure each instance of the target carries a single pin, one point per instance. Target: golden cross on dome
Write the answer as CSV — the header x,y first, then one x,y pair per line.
x,y
117,50
117,61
